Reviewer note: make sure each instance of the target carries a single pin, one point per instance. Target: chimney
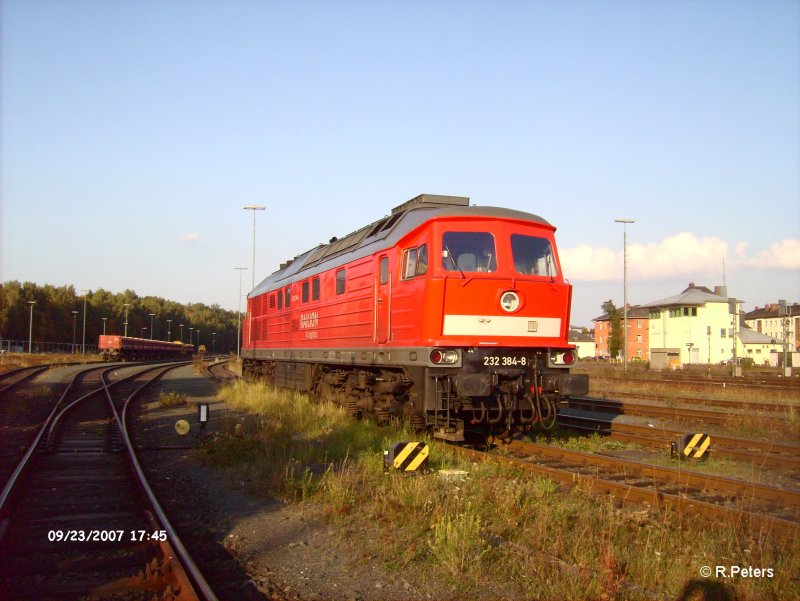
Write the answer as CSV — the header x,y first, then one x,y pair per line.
x,y
721,291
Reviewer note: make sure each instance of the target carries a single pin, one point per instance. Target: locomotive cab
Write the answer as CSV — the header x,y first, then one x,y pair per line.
x,y
496,312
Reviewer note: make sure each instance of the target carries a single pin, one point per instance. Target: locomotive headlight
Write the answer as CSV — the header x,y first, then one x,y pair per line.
x,y
563,358
444,357
509,301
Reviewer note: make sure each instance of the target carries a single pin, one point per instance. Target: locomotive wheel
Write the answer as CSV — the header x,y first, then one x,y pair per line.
x,y
382,416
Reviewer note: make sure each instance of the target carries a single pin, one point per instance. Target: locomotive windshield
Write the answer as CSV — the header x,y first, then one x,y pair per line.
x,y
533,255
468,251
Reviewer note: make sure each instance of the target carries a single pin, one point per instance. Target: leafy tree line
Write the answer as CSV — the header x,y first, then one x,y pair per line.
x,y
53,318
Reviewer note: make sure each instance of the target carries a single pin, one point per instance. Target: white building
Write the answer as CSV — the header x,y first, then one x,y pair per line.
x,y
697,323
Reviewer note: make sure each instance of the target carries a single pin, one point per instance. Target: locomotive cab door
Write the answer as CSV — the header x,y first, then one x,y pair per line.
x,y
383,300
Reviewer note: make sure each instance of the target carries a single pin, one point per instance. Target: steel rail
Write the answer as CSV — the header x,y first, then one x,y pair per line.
x,y
766,453
23,463
200,585
656,498
34,371
726,403
682,478
644,409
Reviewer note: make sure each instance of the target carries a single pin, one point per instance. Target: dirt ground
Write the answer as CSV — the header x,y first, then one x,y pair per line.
x,y
286,551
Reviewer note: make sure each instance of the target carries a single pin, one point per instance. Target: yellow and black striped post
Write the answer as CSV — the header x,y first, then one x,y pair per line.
x,y
407,456
694,446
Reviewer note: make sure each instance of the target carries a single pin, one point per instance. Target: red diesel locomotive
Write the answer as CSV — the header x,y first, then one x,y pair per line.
x,y
452,316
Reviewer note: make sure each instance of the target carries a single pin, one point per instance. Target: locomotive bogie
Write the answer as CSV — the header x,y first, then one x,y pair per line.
x,y
452,316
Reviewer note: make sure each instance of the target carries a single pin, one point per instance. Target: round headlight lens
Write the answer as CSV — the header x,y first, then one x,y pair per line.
x,y
509,301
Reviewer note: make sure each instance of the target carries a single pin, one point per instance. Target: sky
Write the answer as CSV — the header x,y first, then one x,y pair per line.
x,y
132,133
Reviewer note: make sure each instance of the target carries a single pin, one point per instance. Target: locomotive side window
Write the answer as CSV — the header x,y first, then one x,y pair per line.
x,y
384,270
305,292
271,301
288,300
340,275
415,262
533,255
280,300
468,251
315,289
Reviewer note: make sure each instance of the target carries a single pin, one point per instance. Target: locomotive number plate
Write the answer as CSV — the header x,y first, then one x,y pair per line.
x,y
505,361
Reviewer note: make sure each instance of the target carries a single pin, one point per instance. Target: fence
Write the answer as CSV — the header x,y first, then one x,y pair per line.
x,y
21,346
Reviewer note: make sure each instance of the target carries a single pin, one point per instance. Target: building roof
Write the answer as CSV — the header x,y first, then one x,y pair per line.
x,y
771,311
635,312
750,336
692,296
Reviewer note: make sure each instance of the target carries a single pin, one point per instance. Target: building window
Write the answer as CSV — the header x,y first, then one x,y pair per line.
x,y
315,289
638,337
722,332
304,292
340,281
639,323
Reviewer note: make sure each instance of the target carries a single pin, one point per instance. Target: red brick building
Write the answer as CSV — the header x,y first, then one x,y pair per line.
x,y
638,334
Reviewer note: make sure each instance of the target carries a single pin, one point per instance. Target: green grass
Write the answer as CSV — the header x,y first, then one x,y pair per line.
x,y
499,533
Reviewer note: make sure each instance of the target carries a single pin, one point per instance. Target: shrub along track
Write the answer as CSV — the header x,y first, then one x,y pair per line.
x,y
77,520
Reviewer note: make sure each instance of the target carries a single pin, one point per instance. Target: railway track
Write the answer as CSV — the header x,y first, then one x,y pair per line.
x,y
78,520
785,456
757,507
725,403
624,407
16,377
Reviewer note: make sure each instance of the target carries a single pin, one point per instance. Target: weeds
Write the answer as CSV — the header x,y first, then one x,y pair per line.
x,y
173,399
499,529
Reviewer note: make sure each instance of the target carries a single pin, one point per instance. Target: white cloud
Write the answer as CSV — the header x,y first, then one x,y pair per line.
x,y
190,236
683,254
780,255
585,263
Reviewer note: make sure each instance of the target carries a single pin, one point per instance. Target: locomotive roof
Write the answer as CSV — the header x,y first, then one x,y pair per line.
x,y
382,234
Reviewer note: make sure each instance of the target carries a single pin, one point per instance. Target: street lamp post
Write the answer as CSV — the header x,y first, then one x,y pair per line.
x,y
83,344
625,223
144,328
191,335
169,330
213,343
74,327
239,313
152,315
30,329
105,319
181,327
254,208
126,305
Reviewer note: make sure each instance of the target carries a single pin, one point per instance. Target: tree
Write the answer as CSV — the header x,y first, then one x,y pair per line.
x,y
615,339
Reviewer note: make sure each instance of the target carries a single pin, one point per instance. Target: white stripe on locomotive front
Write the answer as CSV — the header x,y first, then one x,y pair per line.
x,y
501,325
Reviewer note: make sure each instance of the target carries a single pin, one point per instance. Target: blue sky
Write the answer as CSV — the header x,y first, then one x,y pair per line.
x,y
132,133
